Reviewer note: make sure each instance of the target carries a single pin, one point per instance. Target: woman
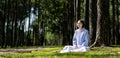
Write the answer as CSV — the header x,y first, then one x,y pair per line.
x,y
80,40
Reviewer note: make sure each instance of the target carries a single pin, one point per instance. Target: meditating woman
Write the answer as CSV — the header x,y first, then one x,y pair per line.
x,y
80,40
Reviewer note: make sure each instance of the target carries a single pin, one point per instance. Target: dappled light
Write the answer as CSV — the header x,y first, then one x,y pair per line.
x,y
41,28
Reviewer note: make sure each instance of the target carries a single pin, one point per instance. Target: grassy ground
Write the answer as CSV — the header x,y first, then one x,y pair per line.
x,y
53,52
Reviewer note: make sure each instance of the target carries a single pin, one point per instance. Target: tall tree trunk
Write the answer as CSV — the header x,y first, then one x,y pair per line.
x,y
22,38
86,14
68,28
113,41
67,21
4,27
92,19
71,17
3,33
117,23
102,34
38,9
65,27
77,4
12,34
28,35
16,29
41,28
77,11
8,22
74,14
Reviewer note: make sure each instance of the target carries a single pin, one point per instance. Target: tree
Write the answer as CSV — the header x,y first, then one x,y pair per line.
x,y
67,29
86,14
113,23
92,19
117,22
102,34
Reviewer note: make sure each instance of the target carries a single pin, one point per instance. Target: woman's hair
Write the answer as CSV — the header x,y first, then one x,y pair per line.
x,y
82,23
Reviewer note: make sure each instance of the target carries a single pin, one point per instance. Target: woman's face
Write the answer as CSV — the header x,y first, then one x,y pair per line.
x,y
79,24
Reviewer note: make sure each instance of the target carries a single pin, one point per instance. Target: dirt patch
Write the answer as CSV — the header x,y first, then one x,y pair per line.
x,y
14,51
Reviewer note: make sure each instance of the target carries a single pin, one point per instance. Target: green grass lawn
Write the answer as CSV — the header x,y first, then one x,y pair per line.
x,y
53,52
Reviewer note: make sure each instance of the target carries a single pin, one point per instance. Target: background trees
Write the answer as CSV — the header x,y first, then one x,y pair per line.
x,y
48,22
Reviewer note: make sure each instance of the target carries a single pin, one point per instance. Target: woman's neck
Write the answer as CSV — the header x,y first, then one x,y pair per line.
x,y
80,28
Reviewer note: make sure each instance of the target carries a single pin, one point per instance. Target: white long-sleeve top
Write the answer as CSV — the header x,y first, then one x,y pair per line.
x,y
80,38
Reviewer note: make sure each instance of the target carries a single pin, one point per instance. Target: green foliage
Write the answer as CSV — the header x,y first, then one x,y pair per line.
x,y
54,16
51,38
52,13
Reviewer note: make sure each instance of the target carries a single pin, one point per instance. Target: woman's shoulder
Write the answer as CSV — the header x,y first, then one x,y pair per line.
x,y
77,30
85,30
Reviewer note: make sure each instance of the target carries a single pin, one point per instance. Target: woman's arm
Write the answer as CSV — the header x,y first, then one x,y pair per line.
x,y
86,36
74,39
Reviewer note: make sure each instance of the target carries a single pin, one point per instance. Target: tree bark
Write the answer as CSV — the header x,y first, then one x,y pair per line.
x,y
92,20
86,14
102,34
113,40
117,23
4,27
